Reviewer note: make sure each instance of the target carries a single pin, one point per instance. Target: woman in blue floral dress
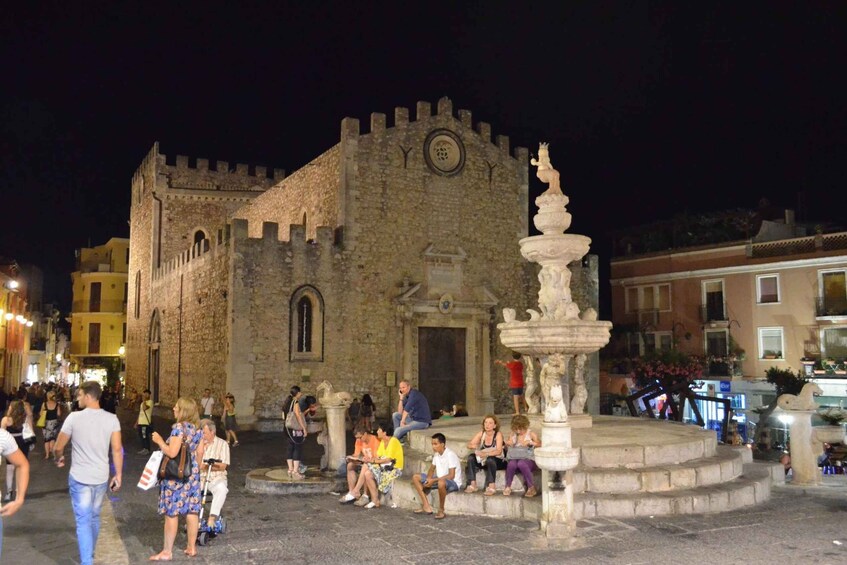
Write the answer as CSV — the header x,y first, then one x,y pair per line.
x,y
178,498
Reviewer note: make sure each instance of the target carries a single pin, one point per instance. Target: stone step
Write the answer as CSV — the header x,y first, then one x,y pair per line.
x,y
725,465
610,442
753,486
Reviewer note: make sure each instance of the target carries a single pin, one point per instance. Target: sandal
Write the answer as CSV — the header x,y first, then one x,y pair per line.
x,y
471,489
530,492
490,490
507,491
192,553
440,516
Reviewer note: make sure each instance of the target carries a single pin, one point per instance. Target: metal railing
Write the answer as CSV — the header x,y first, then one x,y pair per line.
x,y
830,306
713,313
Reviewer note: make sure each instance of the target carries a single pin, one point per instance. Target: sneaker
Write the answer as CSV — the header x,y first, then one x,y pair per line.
x,y
236,444
144,452
363,501
347,498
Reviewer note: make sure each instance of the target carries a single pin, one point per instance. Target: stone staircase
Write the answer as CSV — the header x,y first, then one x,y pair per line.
x,y
627,468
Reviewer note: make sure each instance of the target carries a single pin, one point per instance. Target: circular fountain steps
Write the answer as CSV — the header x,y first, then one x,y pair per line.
x,y
628,467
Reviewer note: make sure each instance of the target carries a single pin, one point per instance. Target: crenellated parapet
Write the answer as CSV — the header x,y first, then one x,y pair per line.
x,y
180,175
297,247
351,127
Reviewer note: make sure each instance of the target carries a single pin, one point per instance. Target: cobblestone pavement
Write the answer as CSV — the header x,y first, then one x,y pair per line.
x,y
796,526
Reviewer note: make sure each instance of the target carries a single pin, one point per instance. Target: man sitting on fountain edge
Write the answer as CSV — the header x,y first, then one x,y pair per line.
x,y
412,411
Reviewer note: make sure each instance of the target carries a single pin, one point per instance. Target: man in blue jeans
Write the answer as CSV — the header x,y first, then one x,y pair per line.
x,y
92,432
412,411
14,456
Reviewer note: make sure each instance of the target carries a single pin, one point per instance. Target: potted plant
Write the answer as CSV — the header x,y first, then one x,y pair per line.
x,y
833,431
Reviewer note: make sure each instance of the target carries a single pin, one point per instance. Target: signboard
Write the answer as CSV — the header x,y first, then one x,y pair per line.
x,y
726,386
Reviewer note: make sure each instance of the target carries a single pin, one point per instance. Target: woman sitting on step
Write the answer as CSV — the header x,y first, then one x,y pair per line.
x,y
487,446
519,445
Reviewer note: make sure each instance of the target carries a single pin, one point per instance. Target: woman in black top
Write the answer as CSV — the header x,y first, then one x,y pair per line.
x,y
297,433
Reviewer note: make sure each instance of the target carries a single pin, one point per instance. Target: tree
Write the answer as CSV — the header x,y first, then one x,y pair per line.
x,y
786,382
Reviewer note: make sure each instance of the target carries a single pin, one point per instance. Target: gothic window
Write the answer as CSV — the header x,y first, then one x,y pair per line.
x,y
307,321
137,294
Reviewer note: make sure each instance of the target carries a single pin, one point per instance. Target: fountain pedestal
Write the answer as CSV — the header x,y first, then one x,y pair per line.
x,y
336,448
560,336
804,461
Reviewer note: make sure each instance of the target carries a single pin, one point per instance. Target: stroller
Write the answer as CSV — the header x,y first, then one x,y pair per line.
x,y
205,533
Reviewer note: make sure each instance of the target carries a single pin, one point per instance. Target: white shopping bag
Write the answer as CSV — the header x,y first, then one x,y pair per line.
x,y
149,477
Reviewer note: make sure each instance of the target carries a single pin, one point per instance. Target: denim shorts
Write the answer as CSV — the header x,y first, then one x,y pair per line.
x,y
450,483
517,391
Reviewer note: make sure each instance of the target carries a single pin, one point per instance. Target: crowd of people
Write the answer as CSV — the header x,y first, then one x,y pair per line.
x,y
84,417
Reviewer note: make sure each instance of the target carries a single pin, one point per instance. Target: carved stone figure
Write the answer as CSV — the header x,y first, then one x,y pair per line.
x,y
531,386
803,401
580,395
328,397
552,370
555,410
508,315
546,173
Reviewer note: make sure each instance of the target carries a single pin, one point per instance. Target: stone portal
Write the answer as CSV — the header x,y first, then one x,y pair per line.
x,y
441,362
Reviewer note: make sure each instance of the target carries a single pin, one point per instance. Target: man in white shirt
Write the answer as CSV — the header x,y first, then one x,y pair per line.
x,y
92,431
14,456
215,448
445,473
206,404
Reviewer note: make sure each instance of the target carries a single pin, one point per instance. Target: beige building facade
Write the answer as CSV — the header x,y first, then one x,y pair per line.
x,y
777,300
386,257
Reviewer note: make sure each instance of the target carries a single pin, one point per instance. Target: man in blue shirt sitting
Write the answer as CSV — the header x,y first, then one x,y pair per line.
x,y
412,411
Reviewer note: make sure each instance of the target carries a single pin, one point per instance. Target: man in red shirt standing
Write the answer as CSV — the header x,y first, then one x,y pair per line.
x,y
515,368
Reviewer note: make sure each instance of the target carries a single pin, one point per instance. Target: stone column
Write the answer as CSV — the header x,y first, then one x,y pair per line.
x,y
804,463
337,435
556,459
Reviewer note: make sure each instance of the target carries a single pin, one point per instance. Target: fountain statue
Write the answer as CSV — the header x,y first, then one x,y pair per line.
x,y
560,336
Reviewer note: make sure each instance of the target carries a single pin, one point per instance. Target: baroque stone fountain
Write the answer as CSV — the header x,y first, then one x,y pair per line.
x,y
561,337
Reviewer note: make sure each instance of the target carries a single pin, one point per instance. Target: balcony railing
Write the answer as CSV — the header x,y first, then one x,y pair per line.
x,y
114,306
830,306
713,313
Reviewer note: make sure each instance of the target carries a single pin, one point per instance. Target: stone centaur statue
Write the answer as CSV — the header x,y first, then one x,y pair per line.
x,y
328,397
803,401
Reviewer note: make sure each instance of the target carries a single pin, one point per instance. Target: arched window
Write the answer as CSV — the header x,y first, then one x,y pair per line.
x,y
199,236
307,321
304,325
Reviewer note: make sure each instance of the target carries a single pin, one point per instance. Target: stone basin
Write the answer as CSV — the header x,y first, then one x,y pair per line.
x,y
557,458
555,249
545,337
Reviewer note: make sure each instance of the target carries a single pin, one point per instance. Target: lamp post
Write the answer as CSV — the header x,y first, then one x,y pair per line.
x,y
121,377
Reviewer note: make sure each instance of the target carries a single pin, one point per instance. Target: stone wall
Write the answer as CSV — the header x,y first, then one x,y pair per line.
x,y
311,192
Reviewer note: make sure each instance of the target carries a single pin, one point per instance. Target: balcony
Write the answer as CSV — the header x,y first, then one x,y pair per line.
x,y
714,312
108,306
828,306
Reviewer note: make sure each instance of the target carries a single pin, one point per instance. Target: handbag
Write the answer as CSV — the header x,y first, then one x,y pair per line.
x,y
149,476
520,452
177,468
42,418
291,421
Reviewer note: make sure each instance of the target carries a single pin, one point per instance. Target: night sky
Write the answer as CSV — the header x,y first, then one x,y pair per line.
x,y
650,109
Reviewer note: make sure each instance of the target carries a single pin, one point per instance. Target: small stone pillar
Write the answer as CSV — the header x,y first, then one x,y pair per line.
x,y
337,445
557,459
804,462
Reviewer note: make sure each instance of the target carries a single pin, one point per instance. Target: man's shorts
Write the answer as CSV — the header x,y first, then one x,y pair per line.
x,y
451,484
517,391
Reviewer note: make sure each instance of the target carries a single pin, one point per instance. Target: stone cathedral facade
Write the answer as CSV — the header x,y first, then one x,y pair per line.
x,y
387,257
